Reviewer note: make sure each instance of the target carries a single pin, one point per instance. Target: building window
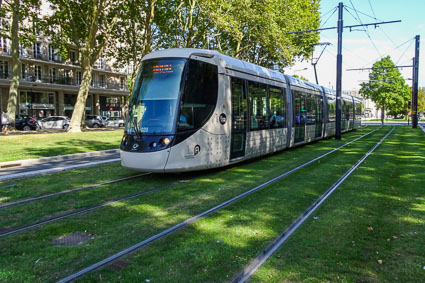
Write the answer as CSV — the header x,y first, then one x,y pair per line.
x,y
3,45
23,51
67,75
37,50
23,71
4,69
72,56
102,80
122,83
101,63
52,75
92,80
51,52
79,77
37,72
35,28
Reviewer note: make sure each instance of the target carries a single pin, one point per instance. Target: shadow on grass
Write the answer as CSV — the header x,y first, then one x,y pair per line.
x,y
72,146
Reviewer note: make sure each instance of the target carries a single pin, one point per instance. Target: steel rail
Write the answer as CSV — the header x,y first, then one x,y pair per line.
x,y
251,268
18,202
197,217
83,211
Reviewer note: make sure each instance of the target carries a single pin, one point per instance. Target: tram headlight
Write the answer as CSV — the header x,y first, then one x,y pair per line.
x,y
164,142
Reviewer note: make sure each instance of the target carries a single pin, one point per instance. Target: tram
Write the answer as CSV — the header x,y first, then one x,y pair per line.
x,y
194,109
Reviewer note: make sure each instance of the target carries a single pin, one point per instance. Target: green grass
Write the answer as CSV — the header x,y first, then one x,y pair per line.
x,y
215,248
121,225
394,120
387,194
17,147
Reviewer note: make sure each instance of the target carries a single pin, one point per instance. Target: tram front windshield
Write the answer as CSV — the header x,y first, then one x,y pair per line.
x,y
154,102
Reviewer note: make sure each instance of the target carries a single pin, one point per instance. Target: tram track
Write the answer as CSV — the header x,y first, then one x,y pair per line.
x,y
199,216
85,210
46,196
251,268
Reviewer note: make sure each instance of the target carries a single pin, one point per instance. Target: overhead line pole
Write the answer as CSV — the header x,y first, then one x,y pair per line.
x,y
339,28
339,74
415,84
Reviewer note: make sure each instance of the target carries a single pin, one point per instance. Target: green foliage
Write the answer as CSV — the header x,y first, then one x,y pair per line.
x,y
421,99
83,24
386,87
26,10
257,31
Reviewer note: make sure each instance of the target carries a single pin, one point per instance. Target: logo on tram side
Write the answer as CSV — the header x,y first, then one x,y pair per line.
x,y
196,150
222,118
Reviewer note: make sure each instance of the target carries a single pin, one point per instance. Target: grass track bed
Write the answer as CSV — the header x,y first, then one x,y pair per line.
x,y
370,229
217,247
122,225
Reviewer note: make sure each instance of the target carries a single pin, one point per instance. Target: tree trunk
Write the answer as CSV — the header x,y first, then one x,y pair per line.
x,y
148,27
382,114
80,104
16,64
190,26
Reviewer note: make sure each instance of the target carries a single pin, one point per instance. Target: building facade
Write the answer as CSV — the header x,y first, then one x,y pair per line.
x,y
49,85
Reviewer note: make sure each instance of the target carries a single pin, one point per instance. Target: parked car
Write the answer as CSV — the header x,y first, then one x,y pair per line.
x,y
114,122
94,121
26,123
55,122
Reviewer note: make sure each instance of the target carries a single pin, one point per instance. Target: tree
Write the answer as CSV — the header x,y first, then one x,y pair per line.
x,y
255,31
16,12
421,99
88,26
134,35
386,87
258,31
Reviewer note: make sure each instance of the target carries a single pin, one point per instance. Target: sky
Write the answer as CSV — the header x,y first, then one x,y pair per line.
x,y
364,46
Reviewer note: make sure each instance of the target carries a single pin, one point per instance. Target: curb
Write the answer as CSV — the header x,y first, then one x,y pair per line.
x,y
55,170
34,161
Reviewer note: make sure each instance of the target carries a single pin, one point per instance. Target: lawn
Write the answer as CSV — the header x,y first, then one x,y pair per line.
x,y
376,215
370,230
17,147
121,225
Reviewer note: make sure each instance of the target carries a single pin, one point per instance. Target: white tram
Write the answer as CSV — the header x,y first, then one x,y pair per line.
x,y
195,109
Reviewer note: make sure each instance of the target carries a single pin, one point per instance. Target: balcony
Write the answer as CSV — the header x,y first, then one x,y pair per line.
x,y
62,80
69,81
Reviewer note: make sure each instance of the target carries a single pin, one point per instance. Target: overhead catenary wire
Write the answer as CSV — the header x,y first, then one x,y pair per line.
x,y
334,10
366,30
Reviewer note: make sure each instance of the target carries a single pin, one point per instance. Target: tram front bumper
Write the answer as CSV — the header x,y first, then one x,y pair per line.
x,y
145,161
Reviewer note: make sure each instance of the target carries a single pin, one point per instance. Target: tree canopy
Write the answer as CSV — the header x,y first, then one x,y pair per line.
x,y
386,87
251,30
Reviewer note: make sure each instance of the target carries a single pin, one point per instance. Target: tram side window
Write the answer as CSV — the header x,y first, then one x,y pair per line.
x,y
311,109
199,96
351,110
331,109
239,107
277,106
358,111
258,106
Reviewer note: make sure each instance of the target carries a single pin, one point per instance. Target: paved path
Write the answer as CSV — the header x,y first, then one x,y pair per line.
x,y
32,167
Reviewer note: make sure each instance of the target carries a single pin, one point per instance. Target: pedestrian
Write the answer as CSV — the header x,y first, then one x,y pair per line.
x,y
5,122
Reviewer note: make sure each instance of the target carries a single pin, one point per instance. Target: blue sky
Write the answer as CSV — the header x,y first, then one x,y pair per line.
x,y
359,51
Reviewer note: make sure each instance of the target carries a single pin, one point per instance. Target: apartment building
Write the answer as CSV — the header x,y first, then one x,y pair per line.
x,y
49,85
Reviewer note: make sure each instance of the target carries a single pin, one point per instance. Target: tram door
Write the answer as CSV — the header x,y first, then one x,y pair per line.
x,y
300,116
319,116
239,119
